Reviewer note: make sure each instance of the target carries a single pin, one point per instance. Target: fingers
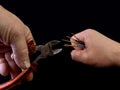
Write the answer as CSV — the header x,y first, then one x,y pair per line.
x,y
7,65
4,70
28,34
78,41
82,36
13,32
13,68
78,36
79,56
20,52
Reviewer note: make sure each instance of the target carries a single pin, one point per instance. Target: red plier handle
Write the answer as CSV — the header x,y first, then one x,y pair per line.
x,y
51,48
13,82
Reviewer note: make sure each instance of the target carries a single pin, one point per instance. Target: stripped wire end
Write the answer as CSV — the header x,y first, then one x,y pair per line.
x,y
75,43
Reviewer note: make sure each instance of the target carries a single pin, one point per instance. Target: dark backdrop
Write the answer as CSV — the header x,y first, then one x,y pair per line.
x,y
50,20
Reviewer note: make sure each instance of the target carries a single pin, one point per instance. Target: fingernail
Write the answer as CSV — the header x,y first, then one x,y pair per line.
x,y
27,64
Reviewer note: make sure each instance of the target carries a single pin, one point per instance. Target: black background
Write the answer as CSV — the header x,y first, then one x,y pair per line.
x,y
50,20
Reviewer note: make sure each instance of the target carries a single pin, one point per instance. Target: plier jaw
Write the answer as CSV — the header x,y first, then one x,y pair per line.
x,y
54,47
51,48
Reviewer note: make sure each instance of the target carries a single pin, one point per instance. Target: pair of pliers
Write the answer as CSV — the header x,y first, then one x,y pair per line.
x,y
51,48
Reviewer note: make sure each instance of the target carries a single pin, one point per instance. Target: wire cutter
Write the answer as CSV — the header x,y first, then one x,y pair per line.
x,y
51,48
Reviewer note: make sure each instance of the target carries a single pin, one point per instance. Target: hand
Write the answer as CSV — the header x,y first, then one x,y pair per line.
x,y
16,34
99,50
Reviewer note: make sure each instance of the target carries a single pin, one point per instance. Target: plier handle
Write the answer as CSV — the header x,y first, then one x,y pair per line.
x,y
51,48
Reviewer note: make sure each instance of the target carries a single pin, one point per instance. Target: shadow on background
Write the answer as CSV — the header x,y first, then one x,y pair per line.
x,y
54,20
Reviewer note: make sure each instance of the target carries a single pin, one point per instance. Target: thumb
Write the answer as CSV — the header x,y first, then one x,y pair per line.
x,y
79,56
20,52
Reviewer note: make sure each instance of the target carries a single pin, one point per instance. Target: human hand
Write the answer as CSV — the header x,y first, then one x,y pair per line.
x,y
99,50
16,34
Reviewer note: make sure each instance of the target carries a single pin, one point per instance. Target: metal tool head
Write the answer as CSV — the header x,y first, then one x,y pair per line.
x,y
54,47
51,48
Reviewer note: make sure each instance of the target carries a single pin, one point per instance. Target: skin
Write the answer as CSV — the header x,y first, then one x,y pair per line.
x,y
99,51
16,34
